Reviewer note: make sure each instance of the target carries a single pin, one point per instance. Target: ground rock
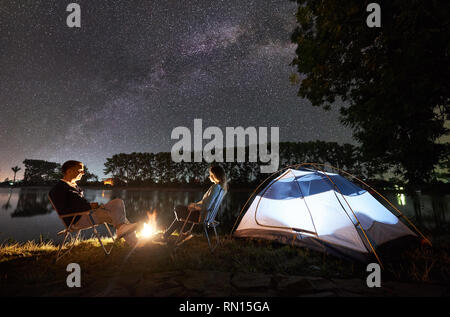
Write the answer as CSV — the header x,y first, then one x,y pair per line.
x,y
251,281
209,282
294,285
155,284
321,284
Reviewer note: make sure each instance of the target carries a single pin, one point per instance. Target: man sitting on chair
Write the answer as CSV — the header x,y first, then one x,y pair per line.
x,y
69,198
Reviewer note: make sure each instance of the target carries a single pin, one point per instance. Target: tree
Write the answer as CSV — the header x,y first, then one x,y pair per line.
x,y
393,80
40,172
15,169
88,176
116,165
442,173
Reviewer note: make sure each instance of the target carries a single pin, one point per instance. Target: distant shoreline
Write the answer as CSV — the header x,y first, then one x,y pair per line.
x,y
429,189
150,187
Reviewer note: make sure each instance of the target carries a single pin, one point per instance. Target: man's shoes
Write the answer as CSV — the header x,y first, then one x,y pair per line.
x,y
125,229
131,239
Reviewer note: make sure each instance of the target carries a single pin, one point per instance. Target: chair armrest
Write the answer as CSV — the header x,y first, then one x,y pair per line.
x,y
187,220
81,213
213,223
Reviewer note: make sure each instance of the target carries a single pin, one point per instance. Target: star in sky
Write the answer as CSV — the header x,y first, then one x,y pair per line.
x,y
133,72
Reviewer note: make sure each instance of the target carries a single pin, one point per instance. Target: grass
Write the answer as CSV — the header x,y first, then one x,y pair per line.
x,y
28,268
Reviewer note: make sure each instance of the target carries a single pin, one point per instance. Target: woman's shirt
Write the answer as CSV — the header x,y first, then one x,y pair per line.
x,y
209,198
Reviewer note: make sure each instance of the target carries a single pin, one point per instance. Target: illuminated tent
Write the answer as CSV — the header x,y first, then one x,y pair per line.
x,y
322,211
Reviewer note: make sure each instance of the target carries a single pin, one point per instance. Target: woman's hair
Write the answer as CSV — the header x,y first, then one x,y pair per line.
x,y
69,164
219,173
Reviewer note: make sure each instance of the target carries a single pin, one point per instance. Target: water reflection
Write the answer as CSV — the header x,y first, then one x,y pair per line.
x,y
439,207
401,199
32,203
426,212
26,213
7,205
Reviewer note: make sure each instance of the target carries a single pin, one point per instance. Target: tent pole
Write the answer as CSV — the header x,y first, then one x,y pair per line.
x,y
253,193
384,198
251,196
304,199
362,229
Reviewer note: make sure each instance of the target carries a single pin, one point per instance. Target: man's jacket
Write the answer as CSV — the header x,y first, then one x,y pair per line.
x,y
68,199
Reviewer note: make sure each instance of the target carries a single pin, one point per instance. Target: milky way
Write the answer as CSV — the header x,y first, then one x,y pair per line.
x,y
135,70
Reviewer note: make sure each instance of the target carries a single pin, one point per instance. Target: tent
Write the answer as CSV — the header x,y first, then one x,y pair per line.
x,y
322,211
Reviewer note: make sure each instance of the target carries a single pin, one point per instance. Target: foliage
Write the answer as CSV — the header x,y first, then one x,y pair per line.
x,y
38,172
41,172
15,169
393,80
442,173
88,176
149,168
144,169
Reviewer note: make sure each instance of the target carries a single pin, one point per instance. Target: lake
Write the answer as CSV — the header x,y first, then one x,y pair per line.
x,y
26,213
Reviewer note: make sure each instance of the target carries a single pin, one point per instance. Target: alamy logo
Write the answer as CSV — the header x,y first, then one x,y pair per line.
x,y
74,278
374,278
74,18
374,18
213,151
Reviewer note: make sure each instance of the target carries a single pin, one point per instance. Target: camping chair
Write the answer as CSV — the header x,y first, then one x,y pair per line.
x,y
71,228
208,222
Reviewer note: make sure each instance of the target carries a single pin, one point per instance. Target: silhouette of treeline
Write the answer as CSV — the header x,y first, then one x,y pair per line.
x,y
150,168
41,172
159,168
147,169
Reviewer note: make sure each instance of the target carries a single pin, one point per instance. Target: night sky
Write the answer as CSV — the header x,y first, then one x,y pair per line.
x,y
135,70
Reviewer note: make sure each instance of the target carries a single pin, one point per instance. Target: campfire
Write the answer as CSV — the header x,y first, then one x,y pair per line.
x,y
150,228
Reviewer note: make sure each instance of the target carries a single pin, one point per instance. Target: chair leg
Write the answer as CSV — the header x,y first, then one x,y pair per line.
x,y
177,241
205,227
217,239
109,232
75,240
111,236
107,252
212,247
190,229
172,223
182,228
72,244
68,234
184,224
61,245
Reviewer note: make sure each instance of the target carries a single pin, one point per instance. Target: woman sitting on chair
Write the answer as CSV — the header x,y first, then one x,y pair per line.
x,y
198,211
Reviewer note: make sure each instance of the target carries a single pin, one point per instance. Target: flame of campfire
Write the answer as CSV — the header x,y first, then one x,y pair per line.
x,y
150,227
